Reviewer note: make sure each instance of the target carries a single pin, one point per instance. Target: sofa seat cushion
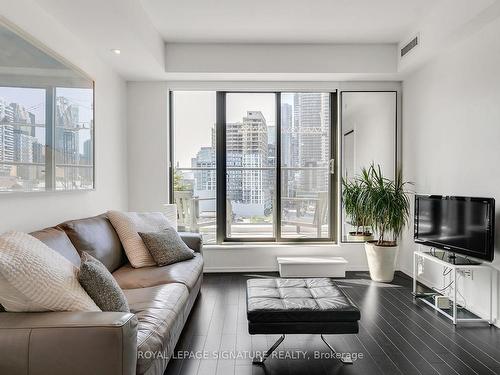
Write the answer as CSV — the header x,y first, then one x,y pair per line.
x,y
160,312
96,236
186,272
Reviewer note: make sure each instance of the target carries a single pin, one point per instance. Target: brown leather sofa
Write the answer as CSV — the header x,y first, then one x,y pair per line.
x,y
140,342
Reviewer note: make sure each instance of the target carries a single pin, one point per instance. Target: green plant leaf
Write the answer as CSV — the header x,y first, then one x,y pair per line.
x,y
373,200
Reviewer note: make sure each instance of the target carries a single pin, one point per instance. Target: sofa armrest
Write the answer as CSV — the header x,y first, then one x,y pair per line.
x,y
193,240
68,343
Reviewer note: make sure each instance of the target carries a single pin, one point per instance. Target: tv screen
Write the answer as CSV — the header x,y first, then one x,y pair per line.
x,y
463,225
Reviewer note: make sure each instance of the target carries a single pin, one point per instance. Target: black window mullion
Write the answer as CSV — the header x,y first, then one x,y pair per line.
x,y
333,178
171,169
277,215
50,127
220,136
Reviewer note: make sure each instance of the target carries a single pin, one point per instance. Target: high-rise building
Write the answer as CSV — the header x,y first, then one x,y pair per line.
x,y
67,144
24,138
67,131
87,152
38,153
311,125
6,148
286,134
288,141
39,158
6,137
271,145
6,112
16,141
23,153
205,179
247,146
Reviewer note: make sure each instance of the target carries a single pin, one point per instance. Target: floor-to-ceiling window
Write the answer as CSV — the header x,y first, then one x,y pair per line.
x,y
306,165
193,155
254,166
250,160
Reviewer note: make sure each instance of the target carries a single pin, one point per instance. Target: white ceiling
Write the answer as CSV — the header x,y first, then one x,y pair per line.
x,y
140,29
113,24
286,21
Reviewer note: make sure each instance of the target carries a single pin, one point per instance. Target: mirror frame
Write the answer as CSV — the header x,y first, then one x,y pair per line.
x,y
84,76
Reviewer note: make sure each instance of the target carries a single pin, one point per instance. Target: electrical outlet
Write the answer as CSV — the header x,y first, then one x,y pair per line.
x,y
467,274
420,267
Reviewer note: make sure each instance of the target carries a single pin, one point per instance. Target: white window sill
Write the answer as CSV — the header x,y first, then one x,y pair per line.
x,y
269,245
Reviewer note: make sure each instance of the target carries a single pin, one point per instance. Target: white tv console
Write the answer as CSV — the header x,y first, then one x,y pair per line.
x,y
428,298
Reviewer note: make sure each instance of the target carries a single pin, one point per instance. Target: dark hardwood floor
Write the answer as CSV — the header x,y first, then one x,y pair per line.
x,y
396,336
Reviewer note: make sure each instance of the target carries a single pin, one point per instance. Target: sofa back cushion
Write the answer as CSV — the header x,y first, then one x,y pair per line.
x,y
58,240
96,236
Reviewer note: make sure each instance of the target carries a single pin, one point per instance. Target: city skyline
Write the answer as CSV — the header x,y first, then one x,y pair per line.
x,y
205,117
22,136
251,143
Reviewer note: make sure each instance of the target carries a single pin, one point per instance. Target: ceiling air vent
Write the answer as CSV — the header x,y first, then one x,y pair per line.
x,y
409,46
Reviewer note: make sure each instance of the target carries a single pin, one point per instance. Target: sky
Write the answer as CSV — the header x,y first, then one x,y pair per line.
x,y
194,115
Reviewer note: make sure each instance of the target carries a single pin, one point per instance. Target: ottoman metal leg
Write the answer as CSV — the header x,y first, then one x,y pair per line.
x,y
346,359
260,360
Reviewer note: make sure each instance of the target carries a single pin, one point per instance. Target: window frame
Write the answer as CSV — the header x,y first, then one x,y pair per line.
x,y
50,164
221,170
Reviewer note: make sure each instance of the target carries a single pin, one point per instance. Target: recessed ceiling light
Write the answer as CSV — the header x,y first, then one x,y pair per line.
x,y
116,51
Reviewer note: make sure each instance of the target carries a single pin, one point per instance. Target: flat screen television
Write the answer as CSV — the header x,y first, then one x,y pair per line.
x,y
462,225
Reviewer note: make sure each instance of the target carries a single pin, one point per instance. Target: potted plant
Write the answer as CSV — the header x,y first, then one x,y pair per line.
x,y
356,213
388,209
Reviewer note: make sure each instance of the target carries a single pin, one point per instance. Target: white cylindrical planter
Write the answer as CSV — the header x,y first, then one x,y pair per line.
x,y
359,237
381,261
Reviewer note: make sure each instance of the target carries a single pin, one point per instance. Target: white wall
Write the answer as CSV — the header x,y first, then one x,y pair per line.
x,y
451,136
36,210
280,58
148,174
147,125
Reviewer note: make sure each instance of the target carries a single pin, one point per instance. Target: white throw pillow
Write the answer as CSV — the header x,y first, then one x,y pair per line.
x,y
128,225
33,277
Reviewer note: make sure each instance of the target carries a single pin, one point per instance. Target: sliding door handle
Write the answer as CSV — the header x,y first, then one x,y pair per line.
x,y
332,166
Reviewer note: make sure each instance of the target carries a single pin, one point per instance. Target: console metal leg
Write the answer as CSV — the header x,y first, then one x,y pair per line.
x,y
346,359
260,360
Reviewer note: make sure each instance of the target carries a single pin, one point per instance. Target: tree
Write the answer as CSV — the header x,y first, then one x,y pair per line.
x,y
179,184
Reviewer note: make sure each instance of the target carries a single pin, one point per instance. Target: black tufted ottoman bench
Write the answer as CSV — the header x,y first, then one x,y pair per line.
x,y
299,306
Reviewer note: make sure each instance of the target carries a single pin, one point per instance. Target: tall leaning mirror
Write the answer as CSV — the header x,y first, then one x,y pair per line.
x,y
46,119
368,135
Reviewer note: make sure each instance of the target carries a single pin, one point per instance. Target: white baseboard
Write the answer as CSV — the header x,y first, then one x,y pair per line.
x,y
265,269
239,269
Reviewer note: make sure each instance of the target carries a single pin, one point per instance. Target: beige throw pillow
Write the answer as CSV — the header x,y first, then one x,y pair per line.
x,y
33,277
128,225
